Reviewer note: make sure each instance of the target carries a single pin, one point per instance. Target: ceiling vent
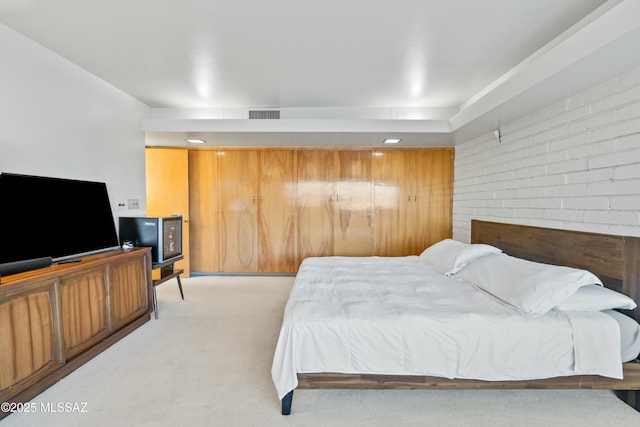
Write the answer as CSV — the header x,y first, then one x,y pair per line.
x,y
264,114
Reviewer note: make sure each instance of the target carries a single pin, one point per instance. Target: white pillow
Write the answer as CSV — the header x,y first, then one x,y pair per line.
x,y
596,298
531,287
450,256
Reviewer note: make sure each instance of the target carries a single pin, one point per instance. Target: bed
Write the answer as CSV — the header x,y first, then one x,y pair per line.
x,y
613,259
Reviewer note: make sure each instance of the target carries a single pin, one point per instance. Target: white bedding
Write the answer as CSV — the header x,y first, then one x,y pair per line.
x,y
398,315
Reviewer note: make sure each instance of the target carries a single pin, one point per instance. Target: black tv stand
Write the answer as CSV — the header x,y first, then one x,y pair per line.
x,y
167,272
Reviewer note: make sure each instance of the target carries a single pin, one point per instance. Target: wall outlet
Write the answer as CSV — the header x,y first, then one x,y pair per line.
x,y
120,205
134,204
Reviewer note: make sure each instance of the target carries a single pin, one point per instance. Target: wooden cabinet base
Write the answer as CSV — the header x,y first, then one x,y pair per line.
x,y
55,319
73,364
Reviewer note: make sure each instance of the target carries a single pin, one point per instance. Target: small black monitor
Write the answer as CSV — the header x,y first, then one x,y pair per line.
x,y
162,234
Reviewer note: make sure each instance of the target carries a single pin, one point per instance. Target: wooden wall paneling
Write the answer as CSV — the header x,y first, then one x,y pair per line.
x,y
167,175
353,202
353,210
416,181
443,195
413,219
393,199
315,203
277,212
238,193
204,211
434,191
413,191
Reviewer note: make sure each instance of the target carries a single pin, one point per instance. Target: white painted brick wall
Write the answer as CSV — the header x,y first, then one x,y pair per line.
x,y
572,165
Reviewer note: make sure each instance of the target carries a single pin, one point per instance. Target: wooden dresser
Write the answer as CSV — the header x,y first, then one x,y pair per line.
x,y
54,319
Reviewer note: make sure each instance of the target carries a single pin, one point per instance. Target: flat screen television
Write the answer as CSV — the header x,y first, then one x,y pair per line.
x,y
162,234
53,217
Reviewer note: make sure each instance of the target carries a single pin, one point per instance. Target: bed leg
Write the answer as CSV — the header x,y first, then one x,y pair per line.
x,y
630,397
286,403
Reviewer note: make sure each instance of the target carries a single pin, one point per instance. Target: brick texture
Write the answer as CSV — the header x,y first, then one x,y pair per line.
x,y
572,165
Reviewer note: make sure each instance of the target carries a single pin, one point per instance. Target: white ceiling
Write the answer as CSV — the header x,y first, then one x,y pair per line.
x,y
454,62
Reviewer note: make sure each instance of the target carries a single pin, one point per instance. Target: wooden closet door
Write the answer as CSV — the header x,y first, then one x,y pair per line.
x,y
204,208
315,203
238,192
167,175
277,212
393,202
434,188
353,213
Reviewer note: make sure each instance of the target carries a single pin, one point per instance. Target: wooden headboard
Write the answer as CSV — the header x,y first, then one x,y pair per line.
x,y
614,259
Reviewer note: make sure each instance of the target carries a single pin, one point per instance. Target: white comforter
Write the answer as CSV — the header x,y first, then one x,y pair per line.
x,y
401,316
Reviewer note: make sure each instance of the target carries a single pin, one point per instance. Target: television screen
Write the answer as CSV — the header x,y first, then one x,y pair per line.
x,y
53,217
171,237
162,234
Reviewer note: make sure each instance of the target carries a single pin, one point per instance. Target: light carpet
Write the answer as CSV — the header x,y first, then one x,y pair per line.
x,y
207,362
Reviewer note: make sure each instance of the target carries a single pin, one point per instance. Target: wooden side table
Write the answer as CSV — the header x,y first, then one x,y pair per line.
x,y
167,272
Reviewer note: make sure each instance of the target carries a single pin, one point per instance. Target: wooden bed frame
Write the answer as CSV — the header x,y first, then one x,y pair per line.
x,y
615,259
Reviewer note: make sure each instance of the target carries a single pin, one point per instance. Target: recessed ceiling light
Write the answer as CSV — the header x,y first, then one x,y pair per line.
x,y
196,141
392,140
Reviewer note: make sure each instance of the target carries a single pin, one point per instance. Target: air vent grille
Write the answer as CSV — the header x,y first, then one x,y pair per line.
x,y
264,114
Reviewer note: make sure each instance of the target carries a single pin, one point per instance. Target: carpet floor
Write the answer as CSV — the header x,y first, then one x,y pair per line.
x,y
206,361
